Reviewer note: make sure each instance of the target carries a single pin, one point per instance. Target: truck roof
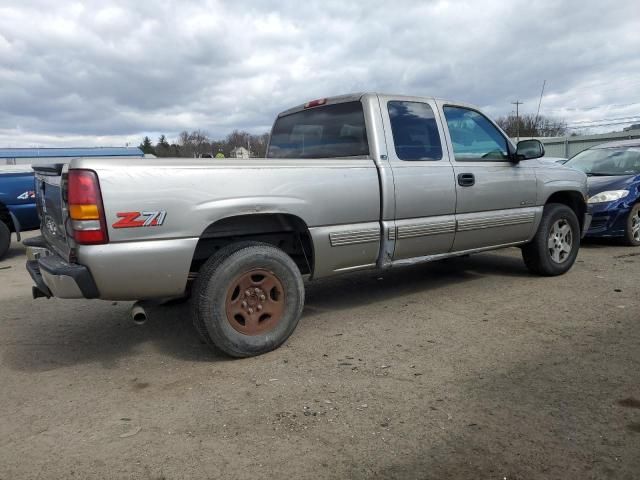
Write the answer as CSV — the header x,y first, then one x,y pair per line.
x,y
353,97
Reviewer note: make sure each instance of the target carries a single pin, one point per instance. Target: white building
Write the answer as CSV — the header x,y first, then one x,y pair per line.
x,y
240,152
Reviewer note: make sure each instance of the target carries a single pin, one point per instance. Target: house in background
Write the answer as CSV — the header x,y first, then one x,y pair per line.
x,y
240,152
39,156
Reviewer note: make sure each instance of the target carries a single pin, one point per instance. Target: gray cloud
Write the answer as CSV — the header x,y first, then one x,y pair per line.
x,y
89,73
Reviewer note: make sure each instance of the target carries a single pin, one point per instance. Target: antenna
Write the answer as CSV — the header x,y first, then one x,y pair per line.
x,y
535,122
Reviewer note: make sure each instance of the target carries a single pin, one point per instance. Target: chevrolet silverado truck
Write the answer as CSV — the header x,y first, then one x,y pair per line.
x,y
355,182
17,204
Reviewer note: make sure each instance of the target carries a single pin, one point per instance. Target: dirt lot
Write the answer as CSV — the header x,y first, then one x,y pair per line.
x,y
463,369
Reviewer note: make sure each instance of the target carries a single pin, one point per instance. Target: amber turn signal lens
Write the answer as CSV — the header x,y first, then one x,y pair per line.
x,y
84,212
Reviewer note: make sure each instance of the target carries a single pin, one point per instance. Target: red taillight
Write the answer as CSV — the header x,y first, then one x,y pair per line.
x,y
315,103
85,208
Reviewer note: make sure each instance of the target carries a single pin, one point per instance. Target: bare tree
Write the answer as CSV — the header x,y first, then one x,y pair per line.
x,y
198,142
529,127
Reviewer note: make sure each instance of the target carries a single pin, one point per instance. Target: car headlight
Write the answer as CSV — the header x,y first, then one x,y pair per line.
x,y
608,196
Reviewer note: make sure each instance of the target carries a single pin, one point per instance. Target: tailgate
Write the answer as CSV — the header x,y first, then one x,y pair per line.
x,y
51,204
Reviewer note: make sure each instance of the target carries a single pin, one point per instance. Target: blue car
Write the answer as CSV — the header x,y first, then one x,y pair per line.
x,y
613,171
17,204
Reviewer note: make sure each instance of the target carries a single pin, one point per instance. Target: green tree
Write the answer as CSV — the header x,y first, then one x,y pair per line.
x,y
162,148
146,146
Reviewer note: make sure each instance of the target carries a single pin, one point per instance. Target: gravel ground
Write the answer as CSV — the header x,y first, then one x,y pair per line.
x,y
469,368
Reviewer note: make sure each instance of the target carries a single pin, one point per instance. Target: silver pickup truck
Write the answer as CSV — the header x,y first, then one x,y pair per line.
x,y
363,181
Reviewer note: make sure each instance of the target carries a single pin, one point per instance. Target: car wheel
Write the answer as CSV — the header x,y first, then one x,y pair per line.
x,y
247,299
632,232
5,239
554,248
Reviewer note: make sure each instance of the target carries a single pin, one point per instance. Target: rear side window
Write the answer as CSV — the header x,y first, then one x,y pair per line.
x,y
415,132
321,132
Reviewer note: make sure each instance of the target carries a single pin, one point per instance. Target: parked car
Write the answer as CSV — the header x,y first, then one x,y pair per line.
x,y
356,182
17,204
613,171
558,160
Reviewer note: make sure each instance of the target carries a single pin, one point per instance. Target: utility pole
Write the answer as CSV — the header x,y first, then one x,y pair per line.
x,y
517,103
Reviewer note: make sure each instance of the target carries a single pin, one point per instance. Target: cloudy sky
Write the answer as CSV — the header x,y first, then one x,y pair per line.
x,y
107,73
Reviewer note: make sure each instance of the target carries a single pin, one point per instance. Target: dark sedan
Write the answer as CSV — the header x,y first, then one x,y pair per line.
x,y
614,188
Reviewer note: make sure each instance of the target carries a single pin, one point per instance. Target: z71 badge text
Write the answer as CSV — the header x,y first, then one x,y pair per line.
x,y
140,219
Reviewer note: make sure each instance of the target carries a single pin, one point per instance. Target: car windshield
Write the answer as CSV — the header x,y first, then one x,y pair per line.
x,y
607,161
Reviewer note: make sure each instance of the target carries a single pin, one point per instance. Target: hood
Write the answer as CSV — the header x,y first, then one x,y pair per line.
x,y
617,182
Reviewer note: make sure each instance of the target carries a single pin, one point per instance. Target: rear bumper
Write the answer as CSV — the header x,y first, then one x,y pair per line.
x,y
56,278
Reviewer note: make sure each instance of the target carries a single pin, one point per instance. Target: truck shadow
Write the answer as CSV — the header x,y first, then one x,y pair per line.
x,y
368,287
61,333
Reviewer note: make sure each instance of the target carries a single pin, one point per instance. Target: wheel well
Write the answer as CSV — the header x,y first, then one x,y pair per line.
x,y
287,232
5,217
574,200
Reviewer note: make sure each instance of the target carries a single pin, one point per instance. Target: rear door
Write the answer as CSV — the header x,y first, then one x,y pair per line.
x,y
425,192
496,197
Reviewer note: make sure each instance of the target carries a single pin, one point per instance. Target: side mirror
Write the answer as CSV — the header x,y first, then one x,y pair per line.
x,y
528,149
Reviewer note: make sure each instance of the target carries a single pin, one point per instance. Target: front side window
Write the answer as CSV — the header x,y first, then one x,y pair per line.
x,y
415,131
330,131
474,137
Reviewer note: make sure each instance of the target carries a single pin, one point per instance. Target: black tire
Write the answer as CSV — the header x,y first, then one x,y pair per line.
x,y
213,288
537,254
632,232
5,239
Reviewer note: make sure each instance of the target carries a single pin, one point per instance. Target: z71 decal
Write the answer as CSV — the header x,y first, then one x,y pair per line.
x,y
140,219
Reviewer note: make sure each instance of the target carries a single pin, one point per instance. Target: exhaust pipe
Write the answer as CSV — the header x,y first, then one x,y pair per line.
x,y
138,314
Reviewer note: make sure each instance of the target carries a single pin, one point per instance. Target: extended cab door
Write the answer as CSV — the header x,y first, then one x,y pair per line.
x,y
425,192
496,197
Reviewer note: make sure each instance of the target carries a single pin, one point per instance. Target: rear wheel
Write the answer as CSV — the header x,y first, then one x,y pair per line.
x,y
632,232
555,246
5,238
247,299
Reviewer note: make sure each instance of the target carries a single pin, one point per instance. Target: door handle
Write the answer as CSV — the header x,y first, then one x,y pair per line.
x,y
466,179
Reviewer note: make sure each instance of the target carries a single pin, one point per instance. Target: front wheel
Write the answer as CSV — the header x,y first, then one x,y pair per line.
x,y
247,299
632,232
554,248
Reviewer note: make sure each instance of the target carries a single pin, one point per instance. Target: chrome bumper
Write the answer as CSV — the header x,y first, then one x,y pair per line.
x,y
55,277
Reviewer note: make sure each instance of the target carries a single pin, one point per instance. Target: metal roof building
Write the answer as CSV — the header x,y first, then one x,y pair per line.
x,y
27,156
567,147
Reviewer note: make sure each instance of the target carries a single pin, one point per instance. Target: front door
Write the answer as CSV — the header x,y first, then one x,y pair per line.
x,y
425,195
496,198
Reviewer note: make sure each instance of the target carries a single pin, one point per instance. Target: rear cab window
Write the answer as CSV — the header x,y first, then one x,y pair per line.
x,y
330,131
415,131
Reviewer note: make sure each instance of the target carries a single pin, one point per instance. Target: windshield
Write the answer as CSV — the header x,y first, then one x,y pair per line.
x,y
608,161
322,132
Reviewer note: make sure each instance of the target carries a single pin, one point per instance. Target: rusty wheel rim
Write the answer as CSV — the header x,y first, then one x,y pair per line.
x,y
255,302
